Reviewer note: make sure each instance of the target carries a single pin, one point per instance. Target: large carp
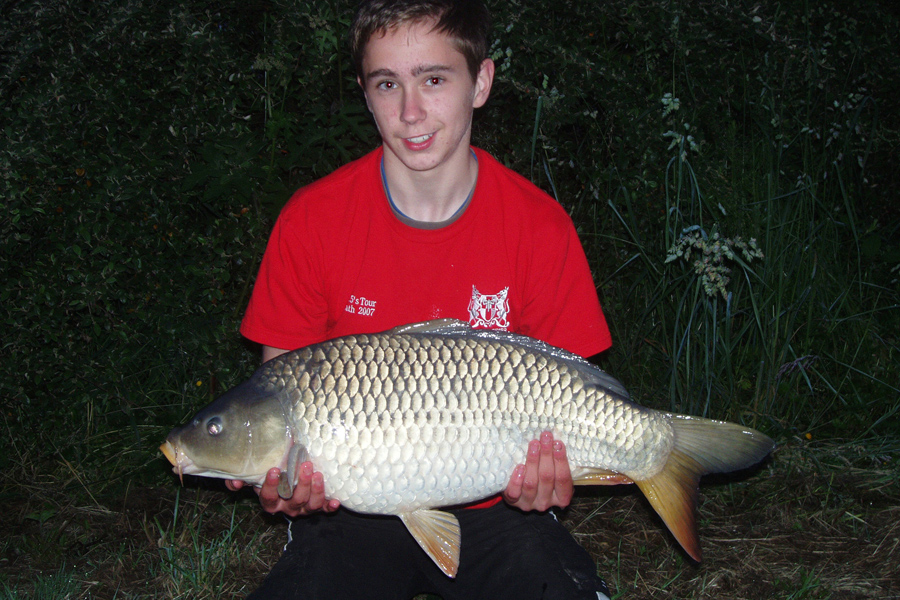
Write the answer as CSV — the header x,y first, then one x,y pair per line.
x,y
437,414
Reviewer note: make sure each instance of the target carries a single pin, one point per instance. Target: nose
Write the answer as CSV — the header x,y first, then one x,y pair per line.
x,y
413,109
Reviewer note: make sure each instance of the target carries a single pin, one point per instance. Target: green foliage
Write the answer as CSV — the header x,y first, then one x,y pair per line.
x,y
148,148
655,122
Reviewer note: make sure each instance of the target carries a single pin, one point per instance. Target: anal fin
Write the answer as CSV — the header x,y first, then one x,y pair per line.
x,y
595,476
437,532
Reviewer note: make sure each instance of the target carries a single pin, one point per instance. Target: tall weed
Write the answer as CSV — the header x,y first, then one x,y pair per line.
x,y
758,334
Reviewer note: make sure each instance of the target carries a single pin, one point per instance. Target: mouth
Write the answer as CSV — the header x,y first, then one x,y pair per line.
x,y
420,139
171,454
419,142
168,451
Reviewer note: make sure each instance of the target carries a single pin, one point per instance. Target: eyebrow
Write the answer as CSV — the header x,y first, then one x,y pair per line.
x,y
416,71
419,70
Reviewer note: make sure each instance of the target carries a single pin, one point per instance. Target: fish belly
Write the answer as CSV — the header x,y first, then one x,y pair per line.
x,y
401,469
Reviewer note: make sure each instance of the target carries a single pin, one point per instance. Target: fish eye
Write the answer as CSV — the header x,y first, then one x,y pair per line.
x,y
214,426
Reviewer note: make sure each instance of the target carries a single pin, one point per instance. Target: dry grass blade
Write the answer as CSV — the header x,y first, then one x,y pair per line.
x,y
813,523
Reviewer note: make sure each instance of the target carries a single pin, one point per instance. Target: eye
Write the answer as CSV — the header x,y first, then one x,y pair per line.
x,y
214,426
432,81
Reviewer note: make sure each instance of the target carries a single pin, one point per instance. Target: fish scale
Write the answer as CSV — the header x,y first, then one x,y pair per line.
x,y
470,428
437,414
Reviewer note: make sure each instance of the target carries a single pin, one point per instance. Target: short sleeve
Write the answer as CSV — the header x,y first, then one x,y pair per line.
x,y
561,306
287,308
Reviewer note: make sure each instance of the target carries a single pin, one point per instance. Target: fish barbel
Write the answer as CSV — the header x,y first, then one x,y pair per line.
x,y
438,414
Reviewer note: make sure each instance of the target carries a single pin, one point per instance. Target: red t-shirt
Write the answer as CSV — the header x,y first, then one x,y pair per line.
x,y
340,262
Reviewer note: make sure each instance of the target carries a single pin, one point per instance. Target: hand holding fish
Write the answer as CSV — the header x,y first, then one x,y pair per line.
x,y
545,480
308,497
542,482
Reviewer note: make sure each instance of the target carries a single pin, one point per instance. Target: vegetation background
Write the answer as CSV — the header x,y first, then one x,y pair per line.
x,y
732,169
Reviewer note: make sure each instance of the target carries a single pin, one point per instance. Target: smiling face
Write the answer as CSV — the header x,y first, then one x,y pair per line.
x,y
422,95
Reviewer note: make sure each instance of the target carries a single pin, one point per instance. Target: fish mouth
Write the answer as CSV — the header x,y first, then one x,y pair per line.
x,y
168,451
178,459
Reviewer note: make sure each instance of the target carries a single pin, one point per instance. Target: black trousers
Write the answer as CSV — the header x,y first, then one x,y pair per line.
x,y
504,553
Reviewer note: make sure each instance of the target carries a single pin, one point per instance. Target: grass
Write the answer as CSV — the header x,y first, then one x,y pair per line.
x,y
191,565
780,533
60,585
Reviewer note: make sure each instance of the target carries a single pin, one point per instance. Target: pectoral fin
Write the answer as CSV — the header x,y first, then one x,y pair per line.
x,y
287,481
438,534
285,489
592,476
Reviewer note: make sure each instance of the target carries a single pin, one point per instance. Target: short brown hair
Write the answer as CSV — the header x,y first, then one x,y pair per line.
x,y
467,22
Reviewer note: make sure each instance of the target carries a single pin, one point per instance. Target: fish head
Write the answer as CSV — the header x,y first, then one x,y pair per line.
x,y
241,435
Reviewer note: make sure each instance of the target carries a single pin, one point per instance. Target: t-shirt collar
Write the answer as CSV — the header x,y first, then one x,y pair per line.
x,y
426,224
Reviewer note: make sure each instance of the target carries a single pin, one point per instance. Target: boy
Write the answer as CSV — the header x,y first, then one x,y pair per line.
x,y
427,227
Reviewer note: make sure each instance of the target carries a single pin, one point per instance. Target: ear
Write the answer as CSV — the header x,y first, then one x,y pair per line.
x,y
483,82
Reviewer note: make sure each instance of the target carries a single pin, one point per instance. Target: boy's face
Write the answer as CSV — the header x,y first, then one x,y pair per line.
x,y
420,91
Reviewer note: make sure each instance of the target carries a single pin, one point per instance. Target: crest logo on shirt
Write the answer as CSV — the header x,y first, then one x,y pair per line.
x,y
489,310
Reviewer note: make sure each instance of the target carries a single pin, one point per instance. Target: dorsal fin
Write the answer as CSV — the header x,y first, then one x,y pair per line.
x,y
456,328
435,327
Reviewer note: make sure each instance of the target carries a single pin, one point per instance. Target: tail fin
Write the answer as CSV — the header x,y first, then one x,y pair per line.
x,y
701,446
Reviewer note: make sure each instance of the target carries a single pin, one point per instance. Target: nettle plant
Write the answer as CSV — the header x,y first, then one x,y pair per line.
x,y
712,257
